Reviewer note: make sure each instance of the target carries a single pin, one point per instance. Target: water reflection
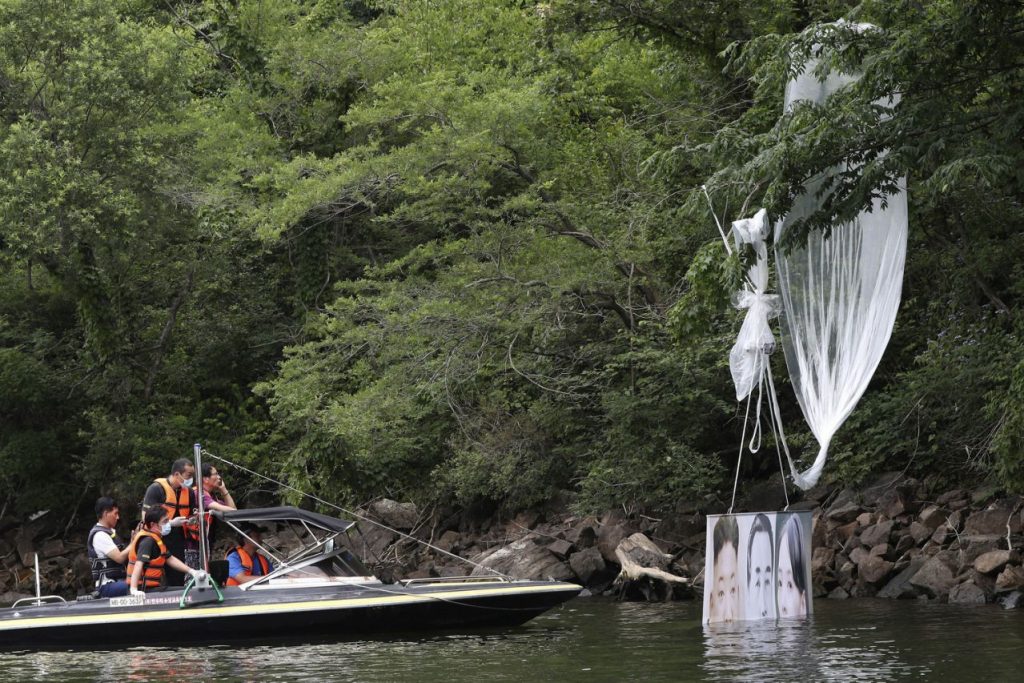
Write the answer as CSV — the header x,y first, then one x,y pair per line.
x,y
595,640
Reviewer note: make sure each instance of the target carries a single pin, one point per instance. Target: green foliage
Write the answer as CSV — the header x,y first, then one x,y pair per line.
x,y
459,251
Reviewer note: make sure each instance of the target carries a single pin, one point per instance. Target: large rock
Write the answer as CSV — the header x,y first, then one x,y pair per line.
x,y
609,538
934,578
51,548
822,559
900,587
932,516
401,516
895,502
560,549
992,561
1010,579
587,564
845,513
874,569
992,523
878,533
920,532
966,594
524,559
1013,600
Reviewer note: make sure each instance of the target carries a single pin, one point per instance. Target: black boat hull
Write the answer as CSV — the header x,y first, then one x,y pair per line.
x,y
288,614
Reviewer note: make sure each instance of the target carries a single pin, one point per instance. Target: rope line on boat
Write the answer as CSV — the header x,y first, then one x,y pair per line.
x,y
356,515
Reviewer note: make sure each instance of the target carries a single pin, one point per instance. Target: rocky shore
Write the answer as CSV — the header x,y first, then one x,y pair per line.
x,y
894,538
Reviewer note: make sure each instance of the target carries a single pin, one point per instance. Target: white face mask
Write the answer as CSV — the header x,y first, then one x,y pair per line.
x,y
165,529
188,482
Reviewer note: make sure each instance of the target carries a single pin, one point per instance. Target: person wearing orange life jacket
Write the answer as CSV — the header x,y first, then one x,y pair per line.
x,y
245,563
148,556
173,495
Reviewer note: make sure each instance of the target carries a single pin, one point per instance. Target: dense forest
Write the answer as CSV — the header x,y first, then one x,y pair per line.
x,y
458,251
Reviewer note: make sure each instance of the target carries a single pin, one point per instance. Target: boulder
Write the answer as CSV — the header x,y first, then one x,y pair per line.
x,y
10,597
609,538
900,587
449,541
905,543
1010,579
878,533
895,501
401,516
372,540
822,559
51,548
992,523
586,564
859,554
845,513
955,521
966,593
882,550
847,531
1012,600
524,559
560,549
866,519
920,532
949,496
838,593
992,561
974,549
874,569
934,577
932,516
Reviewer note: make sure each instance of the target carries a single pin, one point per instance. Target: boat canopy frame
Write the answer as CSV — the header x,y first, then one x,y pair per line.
x,y
322,531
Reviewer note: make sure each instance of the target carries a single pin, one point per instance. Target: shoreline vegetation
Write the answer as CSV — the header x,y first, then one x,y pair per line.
x,y
895,538
465,255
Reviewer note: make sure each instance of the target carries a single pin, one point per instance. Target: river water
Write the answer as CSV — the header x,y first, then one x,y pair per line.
x,y
600,640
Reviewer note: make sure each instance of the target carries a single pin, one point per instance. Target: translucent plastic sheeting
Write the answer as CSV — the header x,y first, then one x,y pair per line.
x,y
748,358
840,295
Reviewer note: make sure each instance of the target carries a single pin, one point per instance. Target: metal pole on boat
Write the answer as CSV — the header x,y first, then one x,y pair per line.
x,y
200,489
39,592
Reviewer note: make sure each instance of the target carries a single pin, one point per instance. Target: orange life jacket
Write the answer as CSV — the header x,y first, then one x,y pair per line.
x,y
176,504
154,569
247,562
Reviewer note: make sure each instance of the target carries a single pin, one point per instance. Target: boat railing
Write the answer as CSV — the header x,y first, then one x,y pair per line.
x,y
455,579
37,600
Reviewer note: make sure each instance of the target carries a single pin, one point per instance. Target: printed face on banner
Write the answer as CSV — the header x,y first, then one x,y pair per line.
x,y
757,567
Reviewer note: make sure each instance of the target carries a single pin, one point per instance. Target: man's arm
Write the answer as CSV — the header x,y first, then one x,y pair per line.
x,y
103,544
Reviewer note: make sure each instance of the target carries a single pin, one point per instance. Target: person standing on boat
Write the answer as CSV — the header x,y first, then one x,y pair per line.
x,y
148,555
107,553
173,495
246,563
215,497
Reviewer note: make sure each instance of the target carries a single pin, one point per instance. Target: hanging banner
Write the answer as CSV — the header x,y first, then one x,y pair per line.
x,y
757,566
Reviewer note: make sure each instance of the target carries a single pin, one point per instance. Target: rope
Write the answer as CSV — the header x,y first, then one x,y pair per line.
x,y
358,516
776,419
739,457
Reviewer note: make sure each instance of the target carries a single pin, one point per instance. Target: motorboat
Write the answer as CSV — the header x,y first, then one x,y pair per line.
x,y
316,591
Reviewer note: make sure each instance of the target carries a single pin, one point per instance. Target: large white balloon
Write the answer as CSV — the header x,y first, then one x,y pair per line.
x,y
840,295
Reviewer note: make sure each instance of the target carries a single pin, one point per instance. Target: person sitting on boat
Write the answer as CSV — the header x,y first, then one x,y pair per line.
x,y
107,553
149,557
246,563
173,495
